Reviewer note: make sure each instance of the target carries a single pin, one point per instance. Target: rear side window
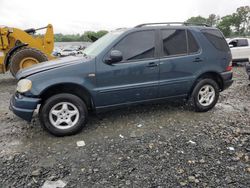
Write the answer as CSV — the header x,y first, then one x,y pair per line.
x,y
242,42
239,43
193,47
174,42
216,38
137,46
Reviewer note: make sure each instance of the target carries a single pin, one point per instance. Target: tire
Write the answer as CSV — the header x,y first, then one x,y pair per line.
x,y
203,90
16,60
54,105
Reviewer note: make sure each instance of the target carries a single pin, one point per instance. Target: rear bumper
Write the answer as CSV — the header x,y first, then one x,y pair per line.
x,y
23,106
227,78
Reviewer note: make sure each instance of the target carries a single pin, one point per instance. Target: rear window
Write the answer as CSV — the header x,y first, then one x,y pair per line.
x,y
242,42
216,38
239,42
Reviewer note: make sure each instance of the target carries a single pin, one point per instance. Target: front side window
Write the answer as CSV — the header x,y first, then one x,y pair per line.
x,y
234,43
137,46
174,42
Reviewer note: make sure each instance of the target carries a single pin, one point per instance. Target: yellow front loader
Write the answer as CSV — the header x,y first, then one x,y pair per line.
x,y
22,48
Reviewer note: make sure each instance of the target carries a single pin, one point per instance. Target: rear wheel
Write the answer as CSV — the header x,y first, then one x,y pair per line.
x,y
25,57
63,114
205,95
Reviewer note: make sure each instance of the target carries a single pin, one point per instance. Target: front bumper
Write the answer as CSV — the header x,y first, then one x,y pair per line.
x,y
227,79
23,106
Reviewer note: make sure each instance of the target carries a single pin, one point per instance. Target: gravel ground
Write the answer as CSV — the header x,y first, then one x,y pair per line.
x,y
165,145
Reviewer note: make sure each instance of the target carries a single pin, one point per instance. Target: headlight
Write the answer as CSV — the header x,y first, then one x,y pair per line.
x,y
24,85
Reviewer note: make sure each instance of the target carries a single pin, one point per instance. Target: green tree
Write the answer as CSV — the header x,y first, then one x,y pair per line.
x,y
243,19
101,33
212,20
197,20
236,22
225,25
88,36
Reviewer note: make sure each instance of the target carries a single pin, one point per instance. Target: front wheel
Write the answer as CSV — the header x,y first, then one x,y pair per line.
x,y
205,95
63,114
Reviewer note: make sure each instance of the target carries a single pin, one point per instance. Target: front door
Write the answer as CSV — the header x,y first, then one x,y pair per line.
x,y
133,79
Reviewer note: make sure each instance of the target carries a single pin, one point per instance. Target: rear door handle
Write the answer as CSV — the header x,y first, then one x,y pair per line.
x,y
197,60
152,64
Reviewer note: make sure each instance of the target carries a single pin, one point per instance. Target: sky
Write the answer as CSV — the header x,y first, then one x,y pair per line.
x,y
77,16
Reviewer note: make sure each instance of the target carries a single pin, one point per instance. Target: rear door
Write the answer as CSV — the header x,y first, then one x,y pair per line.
x,y
133,79
181,58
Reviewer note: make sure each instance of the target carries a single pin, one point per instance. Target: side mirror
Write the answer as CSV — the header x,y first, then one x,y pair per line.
x,y
231,46
114,57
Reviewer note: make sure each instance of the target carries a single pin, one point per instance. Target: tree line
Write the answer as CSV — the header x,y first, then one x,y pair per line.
x,y
87,36
235,24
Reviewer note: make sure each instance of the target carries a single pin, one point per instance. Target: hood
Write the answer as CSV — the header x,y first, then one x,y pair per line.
x,y
49,65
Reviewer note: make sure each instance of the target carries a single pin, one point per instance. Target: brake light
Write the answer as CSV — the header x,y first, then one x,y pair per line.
x,y
229,68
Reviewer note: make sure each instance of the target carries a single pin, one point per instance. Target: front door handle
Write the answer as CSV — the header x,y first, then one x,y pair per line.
x,y
197,60
152,64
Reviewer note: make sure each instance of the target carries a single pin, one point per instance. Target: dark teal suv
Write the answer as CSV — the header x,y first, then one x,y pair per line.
x,y
150,62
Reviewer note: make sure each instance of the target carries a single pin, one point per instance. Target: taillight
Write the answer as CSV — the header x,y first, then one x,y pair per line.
x,y
229,68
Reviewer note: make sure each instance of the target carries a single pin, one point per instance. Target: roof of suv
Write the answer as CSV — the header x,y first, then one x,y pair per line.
x,y
175,26
165,25
171,23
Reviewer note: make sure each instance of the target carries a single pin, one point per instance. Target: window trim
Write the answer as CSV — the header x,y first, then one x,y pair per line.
x,y
136,60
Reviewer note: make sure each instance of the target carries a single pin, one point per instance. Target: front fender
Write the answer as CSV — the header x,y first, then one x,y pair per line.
x,y
71,74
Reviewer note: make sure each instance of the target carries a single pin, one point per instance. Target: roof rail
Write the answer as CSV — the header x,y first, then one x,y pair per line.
x,y
172,23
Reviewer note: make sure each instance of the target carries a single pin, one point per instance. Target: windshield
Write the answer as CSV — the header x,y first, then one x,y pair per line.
x,y
95,48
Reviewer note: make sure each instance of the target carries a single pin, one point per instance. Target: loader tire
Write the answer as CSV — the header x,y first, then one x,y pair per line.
x,y
25,57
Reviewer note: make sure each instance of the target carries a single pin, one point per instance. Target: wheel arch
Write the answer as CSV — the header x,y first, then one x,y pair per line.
x,y
212,75
71,88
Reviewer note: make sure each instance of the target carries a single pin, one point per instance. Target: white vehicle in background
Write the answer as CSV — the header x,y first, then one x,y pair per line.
x,y
67,52
56,51
240,48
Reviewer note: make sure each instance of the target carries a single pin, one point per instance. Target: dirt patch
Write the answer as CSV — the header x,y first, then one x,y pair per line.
x,y
160,145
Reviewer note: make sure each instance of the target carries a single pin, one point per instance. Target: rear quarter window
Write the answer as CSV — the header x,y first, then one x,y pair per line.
x,y
216,38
